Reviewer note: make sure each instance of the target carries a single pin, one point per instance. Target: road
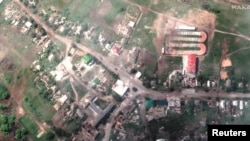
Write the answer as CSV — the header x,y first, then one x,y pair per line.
x,y
125,76
108,126
106,60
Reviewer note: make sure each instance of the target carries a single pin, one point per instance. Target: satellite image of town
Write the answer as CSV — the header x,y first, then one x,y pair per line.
x,y
124,70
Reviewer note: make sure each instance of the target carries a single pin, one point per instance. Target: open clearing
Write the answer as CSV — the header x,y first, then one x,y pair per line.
x,y
29,125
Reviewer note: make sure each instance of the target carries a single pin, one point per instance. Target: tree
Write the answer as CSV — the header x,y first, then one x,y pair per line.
x,y
4,92
74,68
134,89
49,136
117,97
33,34
3,119
43,32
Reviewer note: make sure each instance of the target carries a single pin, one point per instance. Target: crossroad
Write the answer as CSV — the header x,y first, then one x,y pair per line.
x,y
123,74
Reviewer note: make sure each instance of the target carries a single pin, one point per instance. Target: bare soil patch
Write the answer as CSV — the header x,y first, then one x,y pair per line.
x,y
58,119
226,63
7,64
104,8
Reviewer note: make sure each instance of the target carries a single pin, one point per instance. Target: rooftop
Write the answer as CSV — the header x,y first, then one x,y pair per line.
x,y
119,87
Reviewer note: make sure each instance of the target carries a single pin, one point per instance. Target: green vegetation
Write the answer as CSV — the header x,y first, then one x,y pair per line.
x,y
181,8
37,105
96,80
144,34
4,92
8,77
29,125
117,97
82,91
74,10
20,134
142,2
6,124
118,7
133,11
54,51
101,103
210,65
73,124
66,86
133,130
176,125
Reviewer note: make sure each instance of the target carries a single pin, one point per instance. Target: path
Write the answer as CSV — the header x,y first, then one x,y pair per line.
x,y
125,76
234,34
244,48
75,92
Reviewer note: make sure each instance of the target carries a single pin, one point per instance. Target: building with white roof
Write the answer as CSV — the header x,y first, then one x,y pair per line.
x,y
138,75
120,88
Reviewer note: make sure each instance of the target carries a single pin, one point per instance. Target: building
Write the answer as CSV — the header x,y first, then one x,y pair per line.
x,y
191,66
149,103
185,28
116,49
98,113
138,75
60,102
120,88
88,59
162,102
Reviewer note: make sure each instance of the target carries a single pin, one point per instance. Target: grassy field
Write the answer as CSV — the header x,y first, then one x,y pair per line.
x,y
144,33
82,91
142,2
29,125
142,37
211,64
118,7
75,9
175,6
232,20
38,106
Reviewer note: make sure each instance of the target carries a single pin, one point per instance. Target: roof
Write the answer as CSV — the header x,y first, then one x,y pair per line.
x,y
149,103
96,80
120,88
131,24
87,58
28,24
116,49
191,66
138,75
162,102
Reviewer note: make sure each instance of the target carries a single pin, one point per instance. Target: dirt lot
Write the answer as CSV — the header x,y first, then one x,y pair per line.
x,y
201,19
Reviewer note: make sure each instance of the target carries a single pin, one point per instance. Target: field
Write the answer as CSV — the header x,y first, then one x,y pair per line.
x,y
142,37
80,90
170,64
35,103
75,9
142,2
118,7
29,125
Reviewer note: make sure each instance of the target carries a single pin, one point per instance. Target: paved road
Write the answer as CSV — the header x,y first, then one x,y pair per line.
x,y
106,62
125,76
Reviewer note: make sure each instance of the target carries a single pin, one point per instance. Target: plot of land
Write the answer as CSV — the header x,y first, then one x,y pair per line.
x,y
29,125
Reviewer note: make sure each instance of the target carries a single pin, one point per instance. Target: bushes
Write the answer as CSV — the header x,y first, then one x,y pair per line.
x,y
4,92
